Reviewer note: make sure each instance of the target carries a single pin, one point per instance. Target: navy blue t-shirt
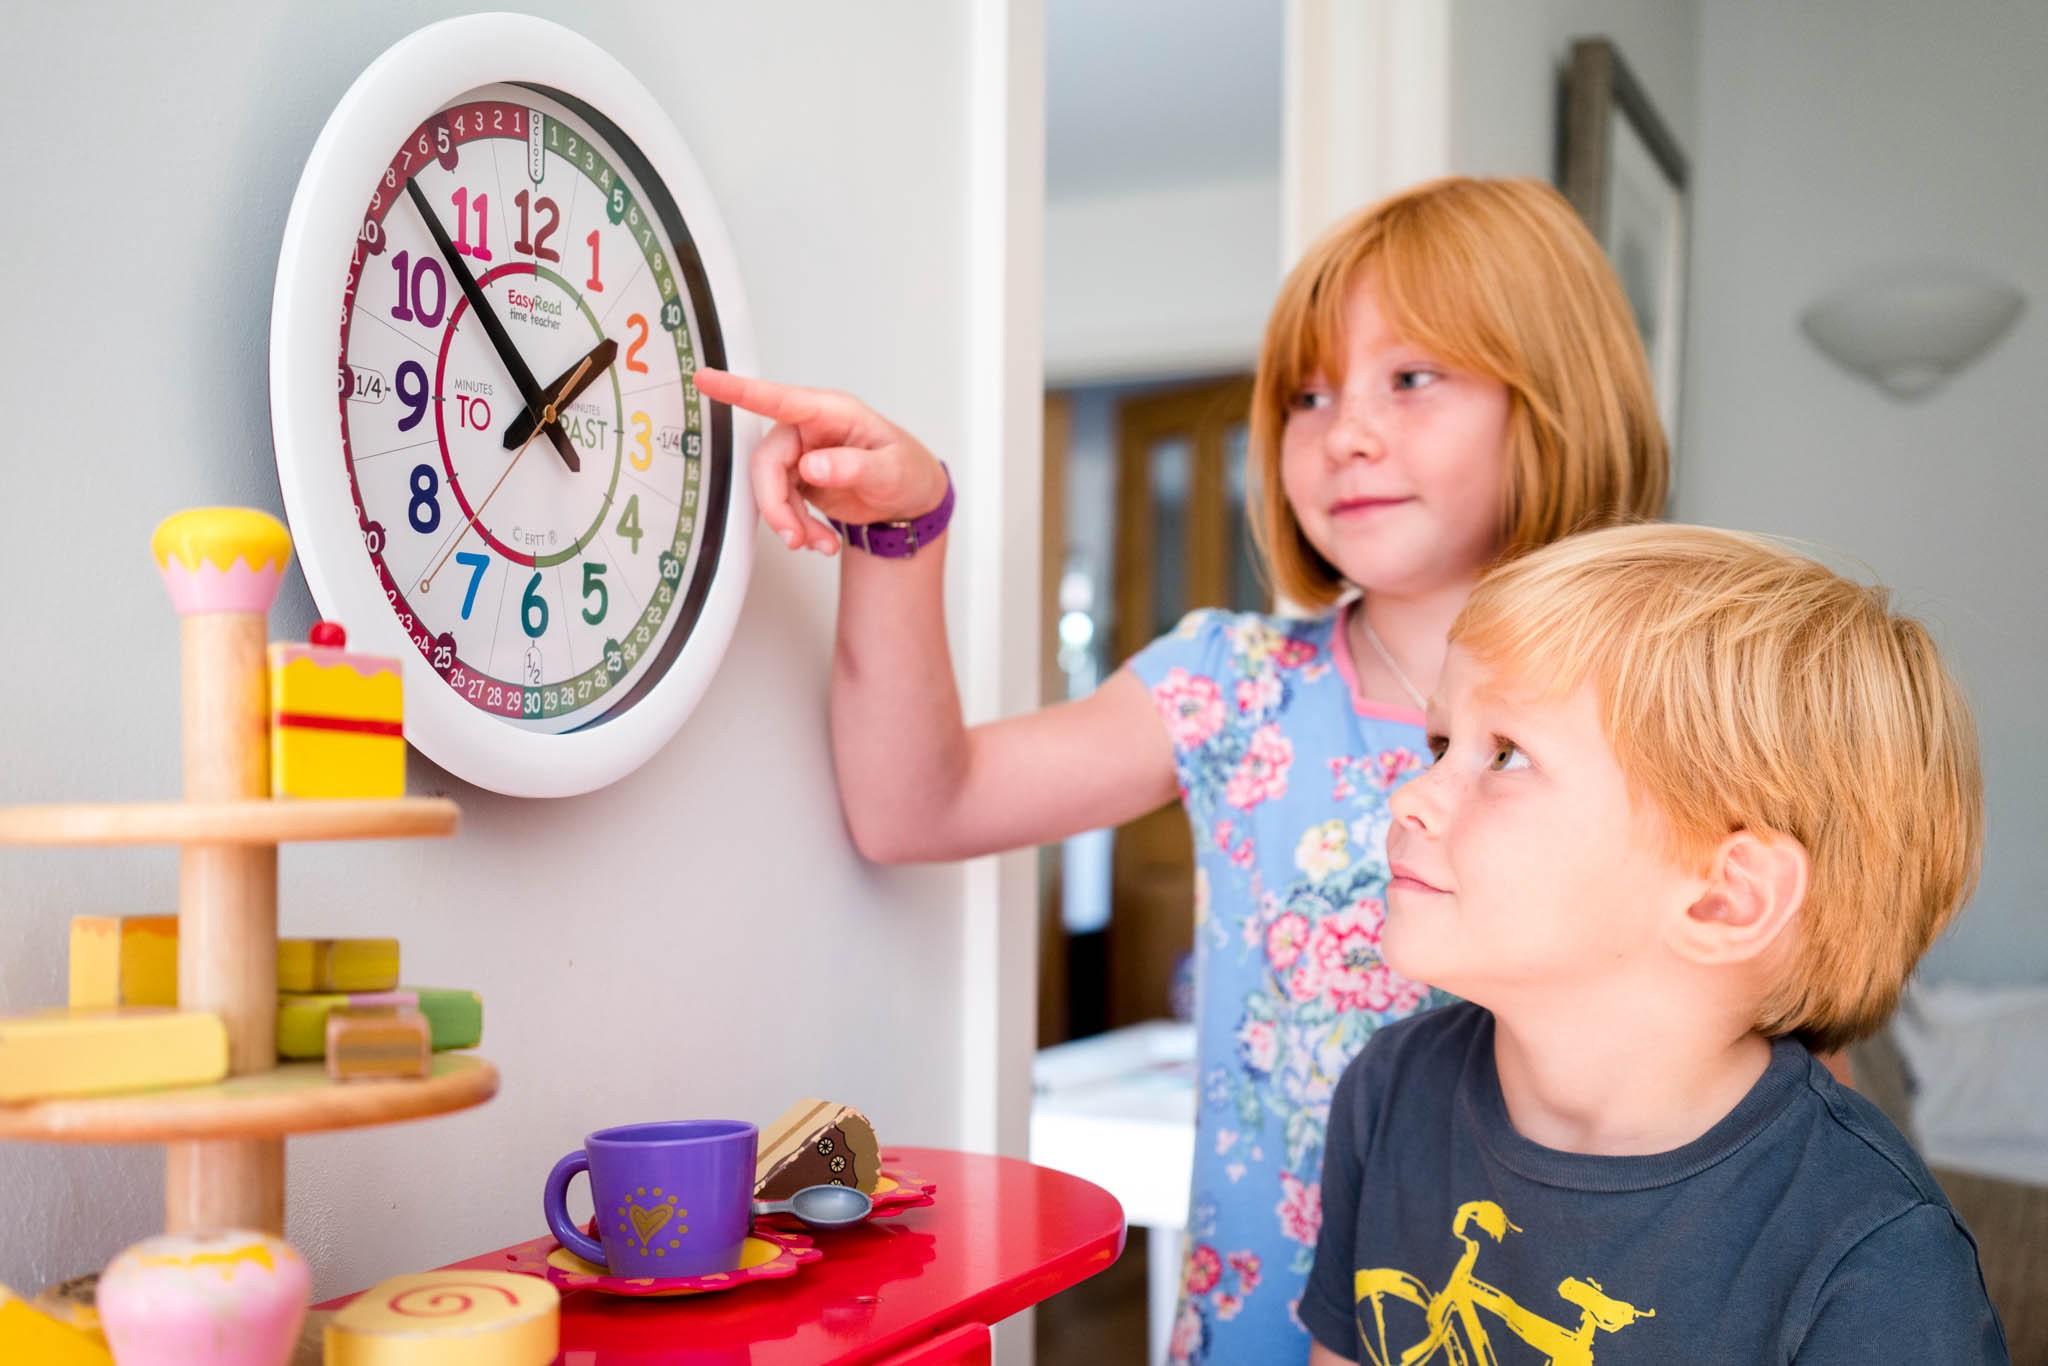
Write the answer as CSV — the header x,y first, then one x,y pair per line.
x,y
1801,1228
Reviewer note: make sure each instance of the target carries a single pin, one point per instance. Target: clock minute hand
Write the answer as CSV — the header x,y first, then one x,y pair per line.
x,y
501,342
597,360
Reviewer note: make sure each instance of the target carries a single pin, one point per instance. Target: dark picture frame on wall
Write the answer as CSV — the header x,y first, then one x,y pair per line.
x,y
1625,173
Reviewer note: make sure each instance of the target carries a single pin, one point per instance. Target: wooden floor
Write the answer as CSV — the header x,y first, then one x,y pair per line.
x,y
1101,1321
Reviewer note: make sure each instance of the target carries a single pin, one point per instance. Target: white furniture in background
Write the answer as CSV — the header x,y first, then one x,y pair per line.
x,y
1118,1109
1973,1062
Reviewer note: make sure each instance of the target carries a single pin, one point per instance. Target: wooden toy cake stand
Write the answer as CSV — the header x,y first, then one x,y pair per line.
x,y
224,1143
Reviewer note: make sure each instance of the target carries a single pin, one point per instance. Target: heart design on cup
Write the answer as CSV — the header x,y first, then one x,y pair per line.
x,y
648,1222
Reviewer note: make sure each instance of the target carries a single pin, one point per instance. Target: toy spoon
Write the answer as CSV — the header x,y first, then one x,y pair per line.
x,y
822,1206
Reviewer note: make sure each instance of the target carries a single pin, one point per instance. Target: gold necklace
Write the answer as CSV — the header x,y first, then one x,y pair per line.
x,y
1372,638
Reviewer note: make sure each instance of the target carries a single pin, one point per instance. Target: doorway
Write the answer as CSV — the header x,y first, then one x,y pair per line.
x,y
1149,484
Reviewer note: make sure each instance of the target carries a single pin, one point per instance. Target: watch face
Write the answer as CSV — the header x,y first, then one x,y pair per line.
x,y
538,485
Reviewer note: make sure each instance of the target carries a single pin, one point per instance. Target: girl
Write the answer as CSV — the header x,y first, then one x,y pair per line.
x,y
1449,378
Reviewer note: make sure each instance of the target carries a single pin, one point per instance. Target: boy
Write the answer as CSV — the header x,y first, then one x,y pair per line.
x,y
1698,807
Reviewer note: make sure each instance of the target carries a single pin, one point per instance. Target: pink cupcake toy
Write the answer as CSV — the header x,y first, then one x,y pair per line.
x,y
204,1299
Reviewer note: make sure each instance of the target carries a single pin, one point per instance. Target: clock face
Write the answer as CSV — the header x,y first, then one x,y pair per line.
x,y
542,594
501,271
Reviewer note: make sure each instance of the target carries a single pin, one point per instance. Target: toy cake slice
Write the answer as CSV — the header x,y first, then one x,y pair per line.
x,y
816,1143
337,720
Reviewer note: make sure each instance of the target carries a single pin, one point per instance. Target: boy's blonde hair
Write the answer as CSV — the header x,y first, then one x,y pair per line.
x,y
1495,277
1744,687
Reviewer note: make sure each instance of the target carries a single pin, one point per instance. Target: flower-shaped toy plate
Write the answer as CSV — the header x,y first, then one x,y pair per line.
x,y
898,1191
767,1255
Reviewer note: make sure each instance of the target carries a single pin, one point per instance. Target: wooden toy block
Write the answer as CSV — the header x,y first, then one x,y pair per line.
x,y
377,1043
88,1052
123,960
325,965
336,720
443,1317
28,1334
232,1298
302,1020
816,1143
456,1017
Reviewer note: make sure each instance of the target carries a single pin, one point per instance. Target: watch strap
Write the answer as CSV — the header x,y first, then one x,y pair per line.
x,y
899,540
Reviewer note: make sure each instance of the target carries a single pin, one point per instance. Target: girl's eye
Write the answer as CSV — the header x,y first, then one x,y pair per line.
x,y
1437,745
1507,756
1309,400
1415,379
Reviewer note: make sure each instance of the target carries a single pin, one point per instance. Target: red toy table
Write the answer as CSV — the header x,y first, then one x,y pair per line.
x,y
1001,1236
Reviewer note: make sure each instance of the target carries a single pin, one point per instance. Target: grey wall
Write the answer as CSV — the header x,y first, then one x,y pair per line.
x,y
1834,137
1506,55
711,902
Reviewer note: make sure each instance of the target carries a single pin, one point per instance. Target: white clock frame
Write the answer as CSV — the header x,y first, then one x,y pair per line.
x,y
411,80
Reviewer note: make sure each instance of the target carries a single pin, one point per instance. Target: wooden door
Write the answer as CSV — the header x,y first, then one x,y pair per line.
x,y
1182,542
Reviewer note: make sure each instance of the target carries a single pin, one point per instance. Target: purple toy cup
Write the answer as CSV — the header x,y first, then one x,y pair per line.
x,y
673,1199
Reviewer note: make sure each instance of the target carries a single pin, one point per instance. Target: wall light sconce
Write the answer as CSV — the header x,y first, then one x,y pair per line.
x,y
1908,328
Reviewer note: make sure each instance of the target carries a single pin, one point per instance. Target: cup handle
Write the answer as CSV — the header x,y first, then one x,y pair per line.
x,y
554,1203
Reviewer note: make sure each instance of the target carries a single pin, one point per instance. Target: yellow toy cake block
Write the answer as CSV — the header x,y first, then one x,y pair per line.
x,y
377,1043
89,1052
132,960
123,960
27,1334
441,1317
336,720
337,964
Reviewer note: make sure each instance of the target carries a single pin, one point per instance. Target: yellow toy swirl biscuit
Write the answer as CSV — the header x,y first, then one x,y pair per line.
x,y
449,1318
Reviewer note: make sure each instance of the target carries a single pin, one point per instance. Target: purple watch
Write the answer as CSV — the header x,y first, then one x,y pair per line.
x,y
899,540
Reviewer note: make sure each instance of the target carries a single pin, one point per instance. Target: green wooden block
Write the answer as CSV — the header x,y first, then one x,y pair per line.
x,y
455,1016
302,1017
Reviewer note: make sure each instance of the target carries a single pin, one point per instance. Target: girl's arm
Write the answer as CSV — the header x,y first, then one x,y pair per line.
x,y
917,783
1319,1355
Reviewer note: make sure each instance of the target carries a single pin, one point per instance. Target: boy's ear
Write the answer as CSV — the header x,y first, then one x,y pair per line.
x,y
1755,885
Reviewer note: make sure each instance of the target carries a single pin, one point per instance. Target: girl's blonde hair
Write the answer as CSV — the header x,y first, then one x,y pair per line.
x,y
1743,687
1495,277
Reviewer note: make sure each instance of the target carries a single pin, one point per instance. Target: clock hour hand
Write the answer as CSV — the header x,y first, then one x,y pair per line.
x,y
594,363
501,342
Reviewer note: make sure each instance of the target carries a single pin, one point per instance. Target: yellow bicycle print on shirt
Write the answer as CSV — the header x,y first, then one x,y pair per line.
x,y
1457,1335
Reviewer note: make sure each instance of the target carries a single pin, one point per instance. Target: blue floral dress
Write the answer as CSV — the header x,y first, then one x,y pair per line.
x,y
1285,774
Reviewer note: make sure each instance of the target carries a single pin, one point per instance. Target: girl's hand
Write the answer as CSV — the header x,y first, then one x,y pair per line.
x,y
832,451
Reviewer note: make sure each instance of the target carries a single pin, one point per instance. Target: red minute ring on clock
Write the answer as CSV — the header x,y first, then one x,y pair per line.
x,y
455,312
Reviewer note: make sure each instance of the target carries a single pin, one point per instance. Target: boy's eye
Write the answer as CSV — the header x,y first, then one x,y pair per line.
x,y
1437,745
1507,756
1415,379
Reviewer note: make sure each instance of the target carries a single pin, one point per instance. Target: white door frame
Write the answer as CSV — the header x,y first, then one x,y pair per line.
x,y
994,572
1366,107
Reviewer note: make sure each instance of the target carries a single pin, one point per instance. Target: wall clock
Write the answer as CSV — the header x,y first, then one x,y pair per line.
x,y
501,269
